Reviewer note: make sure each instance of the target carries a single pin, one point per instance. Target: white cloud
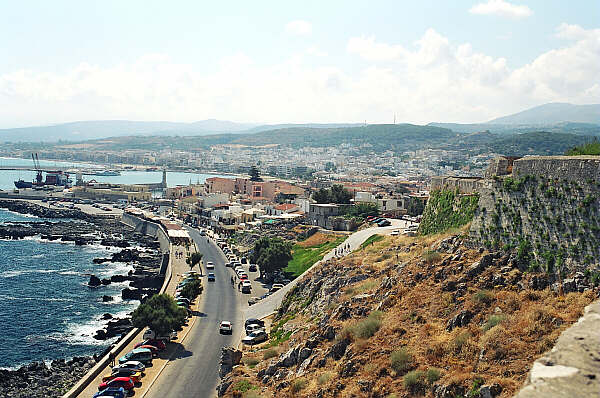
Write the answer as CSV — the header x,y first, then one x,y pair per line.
x,y
432,80
299,28
501,8
367,48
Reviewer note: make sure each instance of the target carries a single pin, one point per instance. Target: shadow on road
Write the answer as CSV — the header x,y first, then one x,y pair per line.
x,y
181,352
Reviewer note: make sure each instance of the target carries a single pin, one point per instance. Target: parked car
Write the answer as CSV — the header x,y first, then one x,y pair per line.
x,y
111,392
135,365
149,334
252,268
138,354
244,276
253,300
153,342
202,232
254,321
152,348
253,328
246,286
125,382
395,232
384,223
211,277
131,373
244,260
225,327
255,337
275,287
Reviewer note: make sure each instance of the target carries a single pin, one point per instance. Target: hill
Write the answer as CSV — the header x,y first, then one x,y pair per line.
x,y
407,317
378,137
553,113
537,143
95,129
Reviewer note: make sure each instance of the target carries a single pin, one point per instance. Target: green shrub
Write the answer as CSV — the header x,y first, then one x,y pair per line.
x,y
414,381
401,360
251,362
460,340
299,385
243,386
269,353
324,378
492,321
368,326
431,256
432,375
483,297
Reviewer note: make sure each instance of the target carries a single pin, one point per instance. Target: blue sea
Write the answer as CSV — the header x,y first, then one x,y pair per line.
x,y
46,309
7,177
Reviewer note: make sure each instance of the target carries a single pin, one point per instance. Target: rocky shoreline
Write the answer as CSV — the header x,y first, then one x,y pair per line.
x,y
39,379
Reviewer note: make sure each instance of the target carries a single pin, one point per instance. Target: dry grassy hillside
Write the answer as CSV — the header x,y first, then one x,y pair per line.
x,y
409,317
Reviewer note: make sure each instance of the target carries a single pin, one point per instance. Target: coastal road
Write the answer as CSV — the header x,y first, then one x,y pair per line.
x,y
194,369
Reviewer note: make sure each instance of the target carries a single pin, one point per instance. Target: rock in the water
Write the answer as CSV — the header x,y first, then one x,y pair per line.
x,y
94,281
106,299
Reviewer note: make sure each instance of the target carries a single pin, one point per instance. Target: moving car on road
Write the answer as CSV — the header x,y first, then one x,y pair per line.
x,y
211,277
225,327
210,265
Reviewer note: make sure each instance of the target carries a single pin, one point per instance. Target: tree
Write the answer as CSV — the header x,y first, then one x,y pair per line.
x,y
271,254
336,194
193,259
254,174
321,196
192,289
160,313
340,195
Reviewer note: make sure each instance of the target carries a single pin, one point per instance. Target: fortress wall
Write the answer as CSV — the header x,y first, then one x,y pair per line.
x,y
574,168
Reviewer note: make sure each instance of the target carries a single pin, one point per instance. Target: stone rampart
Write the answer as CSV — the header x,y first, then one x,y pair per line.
x,y
572,168
463,184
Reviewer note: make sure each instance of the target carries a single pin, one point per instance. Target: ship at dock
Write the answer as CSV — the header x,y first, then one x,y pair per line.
x,y
56,178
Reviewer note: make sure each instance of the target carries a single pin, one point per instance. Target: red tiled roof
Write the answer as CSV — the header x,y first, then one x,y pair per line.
x,y
285,206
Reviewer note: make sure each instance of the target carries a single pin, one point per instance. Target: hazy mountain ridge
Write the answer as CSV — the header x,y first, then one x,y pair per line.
x,y
557,118
553,113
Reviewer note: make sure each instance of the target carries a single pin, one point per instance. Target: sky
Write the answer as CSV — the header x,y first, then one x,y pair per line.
x,y
294,62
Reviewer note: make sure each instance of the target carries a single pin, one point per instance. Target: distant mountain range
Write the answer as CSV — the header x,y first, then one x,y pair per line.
x,y
553,113
554,117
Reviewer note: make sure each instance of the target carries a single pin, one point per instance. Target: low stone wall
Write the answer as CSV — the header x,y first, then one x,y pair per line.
x,y
572,168
148,228
571,368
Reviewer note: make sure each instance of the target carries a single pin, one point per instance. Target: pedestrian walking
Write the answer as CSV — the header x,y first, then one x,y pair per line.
x,y
111,356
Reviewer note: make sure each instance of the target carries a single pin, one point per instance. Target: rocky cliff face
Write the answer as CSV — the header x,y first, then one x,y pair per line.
x,y
406,317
